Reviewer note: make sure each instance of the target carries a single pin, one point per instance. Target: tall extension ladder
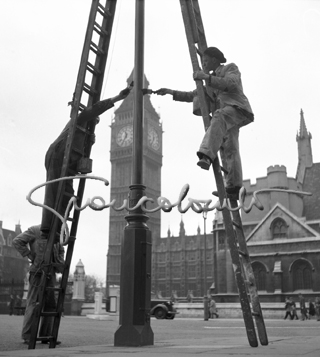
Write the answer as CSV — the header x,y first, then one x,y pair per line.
x,y
243,271
89,80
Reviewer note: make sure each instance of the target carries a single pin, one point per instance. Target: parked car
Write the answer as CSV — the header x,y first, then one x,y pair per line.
x,y
163,309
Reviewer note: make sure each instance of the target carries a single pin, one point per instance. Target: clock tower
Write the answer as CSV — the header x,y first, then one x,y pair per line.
x,y
121,172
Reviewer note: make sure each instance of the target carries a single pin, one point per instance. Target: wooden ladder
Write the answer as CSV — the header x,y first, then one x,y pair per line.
x,y
89,81
242,267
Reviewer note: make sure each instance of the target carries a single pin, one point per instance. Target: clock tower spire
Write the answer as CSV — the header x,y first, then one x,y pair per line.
x,y
121,171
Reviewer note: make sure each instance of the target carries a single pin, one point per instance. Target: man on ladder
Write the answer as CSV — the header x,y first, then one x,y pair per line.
x,y
230,110
56,152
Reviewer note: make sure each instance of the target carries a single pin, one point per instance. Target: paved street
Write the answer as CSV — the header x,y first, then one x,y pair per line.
x,y
218,337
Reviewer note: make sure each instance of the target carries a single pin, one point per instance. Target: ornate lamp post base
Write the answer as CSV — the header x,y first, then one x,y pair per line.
x,y
135,284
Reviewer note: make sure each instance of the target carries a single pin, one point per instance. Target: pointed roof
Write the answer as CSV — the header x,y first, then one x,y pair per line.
x,y
182,231
262,231
127,103
303,132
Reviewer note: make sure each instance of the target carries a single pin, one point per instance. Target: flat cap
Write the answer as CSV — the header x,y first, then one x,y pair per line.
x,y
215,52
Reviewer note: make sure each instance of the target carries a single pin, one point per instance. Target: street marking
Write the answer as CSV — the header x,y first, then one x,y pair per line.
x,y
270,327
208,346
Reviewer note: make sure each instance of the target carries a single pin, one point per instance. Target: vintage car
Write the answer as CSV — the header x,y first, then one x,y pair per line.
x,y
162,309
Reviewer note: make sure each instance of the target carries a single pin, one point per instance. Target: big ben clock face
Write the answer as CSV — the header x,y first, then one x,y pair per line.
x,y
125,136
153,138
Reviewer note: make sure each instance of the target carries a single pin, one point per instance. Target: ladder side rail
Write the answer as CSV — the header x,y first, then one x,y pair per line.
x,y
74,114
79,85
104,43
96,84
242,290
202,43
249,274
195,63
229,228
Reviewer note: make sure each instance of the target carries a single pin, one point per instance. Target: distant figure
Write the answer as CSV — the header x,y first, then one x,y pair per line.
x,y
303,309
317,307
55,154
213,309
230,110
312,310
293,310
18,304
26,244
11,305
288,308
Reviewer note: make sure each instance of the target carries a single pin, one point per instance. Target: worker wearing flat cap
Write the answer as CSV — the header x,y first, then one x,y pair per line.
x,y
230,111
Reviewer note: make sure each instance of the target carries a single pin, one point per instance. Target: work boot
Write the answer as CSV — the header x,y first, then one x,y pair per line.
x,y
204,162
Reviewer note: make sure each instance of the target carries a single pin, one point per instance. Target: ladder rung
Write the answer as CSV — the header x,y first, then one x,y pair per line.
x,y
242,253
91,68
236,224
100,30
103,11
224,170
68,194
94,48
49,313
79,151
82,106
53,288
72,239
84,130
255,313
45,338
89,89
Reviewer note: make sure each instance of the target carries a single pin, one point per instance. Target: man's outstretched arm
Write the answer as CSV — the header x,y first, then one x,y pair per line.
x,y
101,106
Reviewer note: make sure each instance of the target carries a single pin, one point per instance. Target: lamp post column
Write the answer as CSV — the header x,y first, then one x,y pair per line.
x,y
135,280
205,295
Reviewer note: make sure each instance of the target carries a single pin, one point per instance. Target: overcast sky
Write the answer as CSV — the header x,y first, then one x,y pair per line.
x,y
274,43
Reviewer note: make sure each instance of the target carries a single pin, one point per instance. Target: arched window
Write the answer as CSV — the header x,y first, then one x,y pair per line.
x,y
302,275
279,228
260,274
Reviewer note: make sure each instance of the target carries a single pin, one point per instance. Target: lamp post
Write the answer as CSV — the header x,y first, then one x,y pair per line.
x,y
135,280
205,295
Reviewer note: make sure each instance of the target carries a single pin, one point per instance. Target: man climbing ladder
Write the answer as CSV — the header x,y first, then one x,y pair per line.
x,y
96,47
224,99
230,110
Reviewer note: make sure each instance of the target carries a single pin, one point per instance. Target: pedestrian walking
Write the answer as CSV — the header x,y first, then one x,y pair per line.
x,y
303,309
213,311
11,305
312,309
293,310
288,308
317,307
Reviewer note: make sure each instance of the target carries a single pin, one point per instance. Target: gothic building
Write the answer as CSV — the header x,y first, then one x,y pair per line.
x,y
121,171
13,267
283,240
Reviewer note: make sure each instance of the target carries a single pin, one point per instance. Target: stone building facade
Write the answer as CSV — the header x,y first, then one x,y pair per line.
x,y
13,267
283,240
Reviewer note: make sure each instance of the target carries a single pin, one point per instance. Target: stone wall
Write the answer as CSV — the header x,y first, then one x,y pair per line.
x,y
230,310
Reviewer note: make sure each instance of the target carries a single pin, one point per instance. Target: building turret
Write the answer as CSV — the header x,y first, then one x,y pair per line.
x,y
79,278
182,231
303,139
